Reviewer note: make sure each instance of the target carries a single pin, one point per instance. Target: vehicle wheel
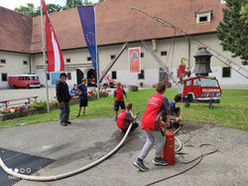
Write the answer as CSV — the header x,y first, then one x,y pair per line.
x,y
14,86
28,86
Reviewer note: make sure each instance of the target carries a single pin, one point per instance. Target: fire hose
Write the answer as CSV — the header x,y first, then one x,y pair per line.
x,y
199,158
68,174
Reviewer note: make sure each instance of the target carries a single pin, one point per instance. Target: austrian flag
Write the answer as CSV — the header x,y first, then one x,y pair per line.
x,y
54,55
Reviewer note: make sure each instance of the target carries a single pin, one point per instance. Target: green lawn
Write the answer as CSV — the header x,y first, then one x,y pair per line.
x,y
231,112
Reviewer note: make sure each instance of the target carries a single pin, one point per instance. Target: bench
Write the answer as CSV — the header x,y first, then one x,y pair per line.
x,y
27,100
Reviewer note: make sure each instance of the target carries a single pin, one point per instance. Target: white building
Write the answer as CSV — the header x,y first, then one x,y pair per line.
x,y
21,47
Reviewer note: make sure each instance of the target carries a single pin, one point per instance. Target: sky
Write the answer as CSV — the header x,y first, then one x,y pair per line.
x,y
12,4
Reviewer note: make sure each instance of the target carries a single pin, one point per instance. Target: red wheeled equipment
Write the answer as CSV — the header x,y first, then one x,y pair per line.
x,y
169,148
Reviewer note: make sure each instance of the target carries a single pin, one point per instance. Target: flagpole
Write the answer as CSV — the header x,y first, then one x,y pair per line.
x,y
44,56
97,62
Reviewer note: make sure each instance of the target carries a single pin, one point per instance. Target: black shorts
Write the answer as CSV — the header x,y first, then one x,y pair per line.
x,y
83,102
119,103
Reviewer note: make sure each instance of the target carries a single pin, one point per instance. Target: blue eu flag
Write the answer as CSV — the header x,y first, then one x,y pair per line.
x,y
87,17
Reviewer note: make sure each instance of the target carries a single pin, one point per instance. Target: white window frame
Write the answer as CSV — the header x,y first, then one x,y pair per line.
x,y
223,1
198,16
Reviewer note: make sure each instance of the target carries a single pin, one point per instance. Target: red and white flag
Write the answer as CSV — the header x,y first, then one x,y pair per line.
x,y
54,55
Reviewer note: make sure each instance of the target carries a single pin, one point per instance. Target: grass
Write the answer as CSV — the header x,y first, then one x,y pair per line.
x,y
231,112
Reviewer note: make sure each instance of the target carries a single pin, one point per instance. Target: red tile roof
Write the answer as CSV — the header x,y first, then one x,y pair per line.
x,y
117,23
15,31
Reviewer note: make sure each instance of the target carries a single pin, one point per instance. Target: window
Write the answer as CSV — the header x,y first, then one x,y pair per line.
x,y
114,75
88,58
25,62
142,54
48,76
68,60
223,1
226,72
3,61
141,75
164,53
69,76
209,83
27,78
188,83
4,77
21,78
112,57
203,17
197,82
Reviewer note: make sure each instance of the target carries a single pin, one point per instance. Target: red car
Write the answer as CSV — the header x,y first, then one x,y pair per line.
x,y
200,89
24,81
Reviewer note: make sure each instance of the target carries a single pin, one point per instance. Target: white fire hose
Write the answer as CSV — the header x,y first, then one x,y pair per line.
x,y
72,173
64,175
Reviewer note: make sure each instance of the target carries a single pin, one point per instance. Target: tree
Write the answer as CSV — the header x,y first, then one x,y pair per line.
x,y
233,30
28,10
33,12
244,12
76,3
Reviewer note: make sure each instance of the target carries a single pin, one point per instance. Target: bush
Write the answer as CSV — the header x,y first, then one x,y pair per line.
x,y
39,106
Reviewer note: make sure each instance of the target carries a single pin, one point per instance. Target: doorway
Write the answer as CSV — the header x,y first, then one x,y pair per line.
x,y
80,76
91,77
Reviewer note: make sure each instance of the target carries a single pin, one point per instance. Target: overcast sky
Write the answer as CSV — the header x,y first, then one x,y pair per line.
x,y
12,4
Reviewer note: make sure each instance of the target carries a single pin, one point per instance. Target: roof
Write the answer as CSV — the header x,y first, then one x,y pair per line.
x,y
117,23
15,31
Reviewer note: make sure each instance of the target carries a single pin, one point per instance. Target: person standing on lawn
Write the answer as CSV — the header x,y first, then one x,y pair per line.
x,y
83,97
63,97
152,125
118,99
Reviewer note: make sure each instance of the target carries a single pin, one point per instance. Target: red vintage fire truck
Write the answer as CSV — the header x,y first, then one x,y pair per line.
x,y
24,80
200,90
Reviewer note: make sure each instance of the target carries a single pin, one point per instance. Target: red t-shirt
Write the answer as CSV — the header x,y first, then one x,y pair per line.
x,y
124,119
158,106
118,94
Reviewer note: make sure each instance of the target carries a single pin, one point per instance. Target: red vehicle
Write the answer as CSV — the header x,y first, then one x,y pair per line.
x,y
200,89
24,81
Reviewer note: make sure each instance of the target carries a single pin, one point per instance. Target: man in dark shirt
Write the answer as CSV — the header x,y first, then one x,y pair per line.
x,y
63,97
83,97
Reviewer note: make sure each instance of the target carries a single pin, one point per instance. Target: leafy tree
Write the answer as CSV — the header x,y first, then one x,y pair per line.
x,y
244,12
33,12
28,10
233,30
53,8
76,3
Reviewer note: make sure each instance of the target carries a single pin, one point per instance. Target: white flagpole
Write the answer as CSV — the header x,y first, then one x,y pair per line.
x,y
44,56
97,62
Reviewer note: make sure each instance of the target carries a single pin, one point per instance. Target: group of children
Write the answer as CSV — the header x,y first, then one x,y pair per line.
x,y
159,115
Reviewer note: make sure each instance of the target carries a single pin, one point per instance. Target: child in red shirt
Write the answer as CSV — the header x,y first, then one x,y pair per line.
x,y
118,99
152,125
126,118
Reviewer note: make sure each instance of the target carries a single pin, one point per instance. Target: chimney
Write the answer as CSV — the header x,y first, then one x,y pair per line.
x,y
202,62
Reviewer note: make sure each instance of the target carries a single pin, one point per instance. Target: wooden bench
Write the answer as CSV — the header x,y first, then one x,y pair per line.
x,y
6,103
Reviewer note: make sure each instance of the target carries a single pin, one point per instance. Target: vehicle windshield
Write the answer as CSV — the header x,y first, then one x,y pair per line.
x,y
209,83
34,78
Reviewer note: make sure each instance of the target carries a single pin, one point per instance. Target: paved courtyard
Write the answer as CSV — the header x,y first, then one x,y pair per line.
x,y
84,141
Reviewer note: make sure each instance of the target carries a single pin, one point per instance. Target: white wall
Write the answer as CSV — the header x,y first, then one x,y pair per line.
x,y
14,65
78,58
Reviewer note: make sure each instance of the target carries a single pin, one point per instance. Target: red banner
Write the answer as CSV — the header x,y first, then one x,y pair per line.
x,y
134,60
